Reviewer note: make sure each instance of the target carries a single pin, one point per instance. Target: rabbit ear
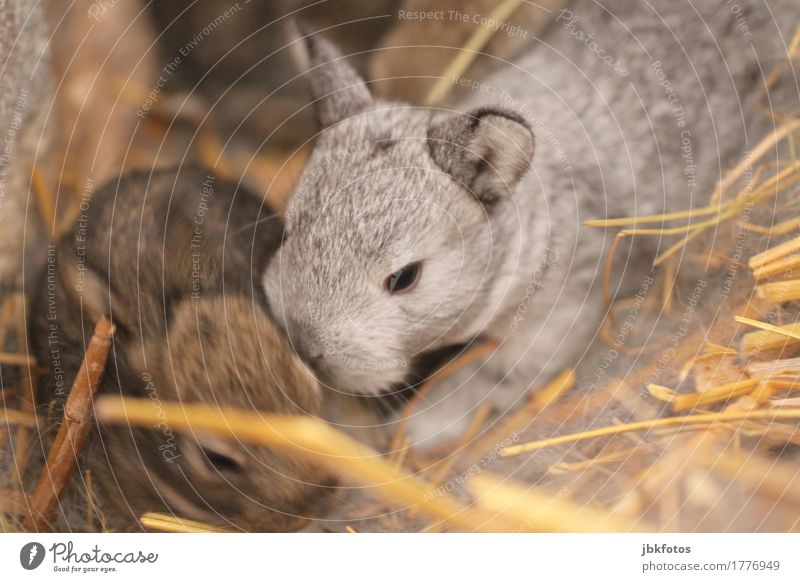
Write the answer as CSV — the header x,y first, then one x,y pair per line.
x,y
338,91
488,150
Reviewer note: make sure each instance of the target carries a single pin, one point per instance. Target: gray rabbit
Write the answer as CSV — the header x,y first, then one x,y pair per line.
x,y
171,257
414,229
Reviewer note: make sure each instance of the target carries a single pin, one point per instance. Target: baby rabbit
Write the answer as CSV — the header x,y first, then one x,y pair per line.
x,y
170,258
417,228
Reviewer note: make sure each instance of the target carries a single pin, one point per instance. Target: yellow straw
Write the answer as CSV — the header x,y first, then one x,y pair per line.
x,y
709,418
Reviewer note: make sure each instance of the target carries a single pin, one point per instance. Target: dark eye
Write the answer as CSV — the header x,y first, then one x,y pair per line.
x,y
213,458
403,279
222,463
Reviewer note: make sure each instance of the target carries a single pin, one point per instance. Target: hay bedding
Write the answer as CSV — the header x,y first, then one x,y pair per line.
x,y
690,423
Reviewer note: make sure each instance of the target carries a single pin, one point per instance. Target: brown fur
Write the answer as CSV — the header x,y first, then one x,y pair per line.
x,y
191,327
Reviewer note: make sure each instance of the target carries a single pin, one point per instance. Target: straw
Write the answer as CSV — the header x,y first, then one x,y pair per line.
x,y
697,419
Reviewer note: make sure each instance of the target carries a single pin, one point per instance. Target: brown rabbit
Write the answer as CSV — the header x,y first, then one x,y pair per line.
x,y
170,256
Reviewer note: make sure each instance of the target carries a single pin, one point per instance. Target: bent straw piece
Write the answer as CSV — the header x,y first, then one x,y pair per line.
x,y
779,291
451,367
673,249
770,336
310,438
606,333
470,51
171,524
73,432
17,417
703,419
533,510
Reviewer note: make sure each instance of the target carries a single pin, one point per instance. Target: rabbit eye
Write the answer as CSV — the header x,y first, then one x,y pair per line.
x,y
403,279
221,462
213,458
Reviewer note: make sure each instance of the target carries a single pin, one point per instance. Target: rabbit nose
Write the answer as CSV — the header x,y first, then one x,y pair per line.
x,y
308,350
304,341
314,359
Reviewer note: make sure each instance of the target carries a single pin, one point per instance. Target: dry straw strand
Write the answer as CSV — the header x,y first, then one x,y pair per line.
x,y
708,419
170,524
470,51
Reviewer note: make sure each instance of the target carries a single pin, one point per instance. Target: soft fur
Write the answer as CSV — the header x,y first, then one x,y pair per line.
x,y
169,256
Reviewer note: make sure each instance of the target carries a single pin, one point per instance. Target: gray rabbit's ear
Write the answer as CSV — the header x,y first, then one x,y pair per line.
x,y
338,91
487,150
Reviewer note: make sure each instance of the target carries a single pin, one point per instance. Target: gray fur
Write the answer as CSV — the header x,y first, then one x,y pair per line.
x,y
505,260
